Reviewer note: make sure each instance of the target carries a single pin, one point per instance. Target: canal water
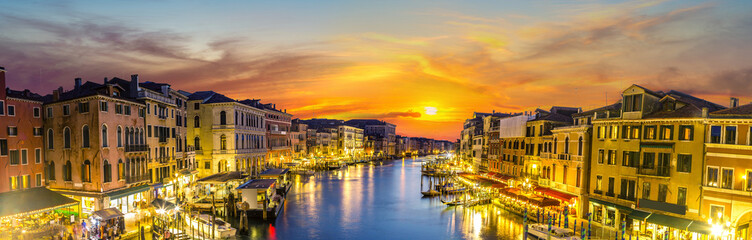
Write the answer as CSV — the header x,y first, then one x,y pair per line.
x,y
380,202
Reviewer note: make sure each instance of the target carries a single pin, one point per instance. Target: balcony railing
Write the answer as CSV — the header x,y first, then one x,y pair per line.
x,y
628,198
656,171
564,156
545,155
277,132
136,148
136,179
577,158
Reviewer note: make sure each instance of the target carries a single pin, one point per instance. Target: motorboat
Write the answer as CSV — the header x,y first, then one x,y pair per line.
x,y
541,231
203,224
431,193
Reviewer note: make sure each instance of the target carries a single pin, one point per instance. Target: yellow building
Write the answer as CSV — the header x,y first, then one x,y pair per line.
x,y
538,131
228,135
727,184
647,163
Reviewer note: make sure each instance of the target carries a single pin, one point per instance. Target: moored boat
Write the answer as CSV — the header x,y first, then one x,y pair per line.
x,y
203,224
541,231
431,193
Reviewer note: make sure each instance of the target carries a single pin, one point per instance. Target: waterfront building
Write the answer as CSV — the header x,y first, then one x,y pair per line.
x,y
647,163
512,141
537,132
21,139
278,124
95,145
727,181
298,139
228,135
491,146
381,132
337,138
165,132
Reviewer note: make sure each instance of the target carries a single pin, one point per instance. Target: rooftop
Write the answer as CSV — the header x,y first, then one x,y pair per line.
x,y
257,184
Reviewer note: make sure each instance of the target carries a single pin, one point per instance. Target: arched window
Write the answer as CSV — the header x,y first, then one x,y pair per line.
x,y
120,136
85,136
197,143
579,146
223,142
107,171
86,171
50,139
556,143
566,145
67,176
222,118
51,171
104,135
66,138
196,122
121,170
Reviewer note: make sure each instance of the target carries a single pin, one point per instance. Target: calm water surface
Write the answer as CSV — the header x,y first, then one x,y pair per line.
x,y
380,202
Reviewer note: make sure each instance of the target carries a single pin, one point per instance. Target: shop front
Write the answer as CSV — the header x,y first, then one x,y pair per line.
x,y
34,213
129,200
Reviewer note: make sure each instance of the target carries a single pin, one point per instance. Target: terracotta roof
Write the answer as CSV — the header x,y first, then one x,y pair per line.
x,y
616,106
743,110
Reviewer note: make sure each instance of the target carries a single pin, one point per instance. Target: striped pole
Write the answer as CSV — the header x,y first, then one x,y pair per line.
x,y
548,234
589,225
566,217
524,225
623,229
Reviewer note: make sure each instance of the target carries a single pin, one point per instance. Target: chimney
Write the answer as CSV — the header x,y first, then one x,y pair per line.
x,y
55,95
78,83
134,86
704,112
105,81
734,102
166,90
2,82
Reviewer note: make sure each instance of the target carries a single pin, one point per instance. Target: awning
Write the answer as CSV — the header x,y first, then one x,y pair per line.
x,y
699,227
219,178
127,192
555,194
638,215
274,172
32,200
669,221
187,172
608,204
162,204
107,214
498,185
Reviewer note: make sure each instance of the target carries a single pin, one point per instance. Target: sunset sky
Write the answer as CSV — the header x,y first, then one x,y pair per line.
x,y
423,65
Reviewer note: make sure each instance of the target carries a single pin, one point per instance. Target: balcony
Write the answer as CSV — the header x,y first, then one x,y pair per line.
x,y
564,156
277,132
657,171
137,179
626,197
281,148
577,158
545,155
136,148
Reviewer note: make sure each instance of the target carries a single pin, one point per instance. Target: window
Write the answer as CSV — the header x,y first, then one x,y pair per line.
x,y
662,192
715,134
601,153
598,183
207,165
119,136
50,139
24,156
196,122
684,163
85,136
121,170
625,133
648,160
37,112
197,143
38,155
579,147
11,110
712,176
749,180
13,183
12,131
633,103
611,182
127,110
66,110
614,132
118,109
14,158
107,171
51,171
3,147
667,132
103,106
630,159
716,213
222,118
727,178
38,180
650,133
67,176
83,107
86,171
686,132
611,157
2,108
196,106
104,136
635,132
66,138
681,196
646,190
148,130
37,131
49,112
730,135
601,132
